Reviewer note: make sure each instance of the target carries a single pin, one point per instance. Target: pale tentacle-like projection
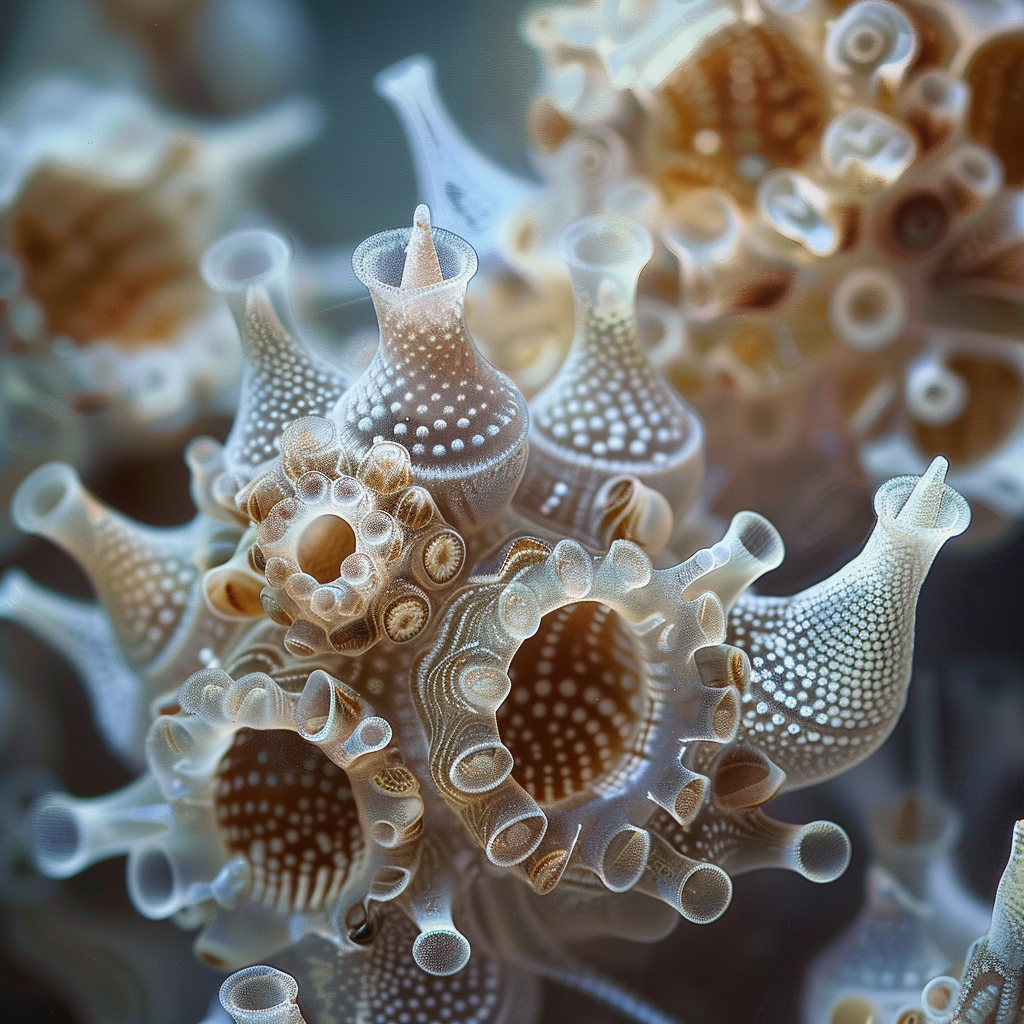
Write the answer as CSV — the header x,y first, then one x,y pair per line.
x,y
151,625
408,665
835,188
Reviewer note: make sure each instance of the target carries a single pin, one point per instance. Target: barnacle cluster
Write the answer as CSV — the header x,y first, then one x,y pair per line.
x,y
106,206
834,192
428,652
456,667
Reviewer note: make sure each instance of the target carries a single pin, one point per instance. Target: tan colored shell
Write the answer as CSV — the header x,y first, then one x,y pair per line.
x,y
108,259
749,103
348,560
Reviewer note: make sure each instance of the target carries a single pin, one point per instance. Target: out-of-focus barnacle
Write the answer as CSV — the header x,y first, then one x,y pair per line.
x,y
834,191
428,649
991,986
467,193
911,928
988,988
151,625
106,205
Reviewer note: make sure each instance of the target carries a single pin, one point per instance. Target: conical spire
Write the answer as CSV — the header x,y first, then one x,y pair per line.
x,y
422,266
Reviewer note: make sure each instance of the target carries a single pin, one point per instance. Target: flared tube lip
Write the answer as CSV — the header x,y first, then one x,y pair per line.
x,y
57,841
604,242
259,992
44,496
243,259
952,515
378,262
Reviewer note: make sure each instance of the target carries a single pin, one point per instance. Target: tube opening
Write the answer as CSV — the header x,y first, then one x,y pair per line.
x,y
56,838
441,951
324,544
705,894
244,258
481,768
41,494
315,709
379,261
605,241
725,718
258,988
760,539
151,883
868,310
515,840
702,220
822,851
625,858
690,799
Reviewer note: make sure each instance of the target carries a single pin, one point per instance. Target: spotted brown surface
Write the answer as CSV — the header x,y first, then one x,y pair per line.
x,y
288,810
575,704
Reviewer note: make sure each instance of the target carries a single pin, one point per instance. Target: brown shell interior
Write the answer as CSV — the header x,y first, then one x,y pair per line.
x,y
103,258
996,78
576,708
752,102
289,811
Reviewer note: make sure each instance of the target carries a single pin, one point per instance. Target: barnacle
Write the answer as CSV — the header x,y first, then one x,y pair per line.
x,y
427,652
896,964
834,189
106,206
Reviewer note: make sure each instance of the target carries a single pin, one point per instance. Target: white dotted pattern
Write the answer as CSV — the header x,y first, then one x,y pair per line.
x,y
607,403
283,382
429,390
396,991
828,668
290,812
575,702
145,593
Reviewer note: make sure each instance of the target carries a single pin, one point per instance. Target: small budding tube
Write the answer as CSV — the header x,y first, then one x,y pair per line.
x,y
261,995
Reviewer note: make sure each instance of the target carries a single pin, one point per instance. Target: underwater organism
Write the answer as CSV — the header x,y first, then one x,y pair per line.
x,y
989,988
106,205
834,189
916,923
433,666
